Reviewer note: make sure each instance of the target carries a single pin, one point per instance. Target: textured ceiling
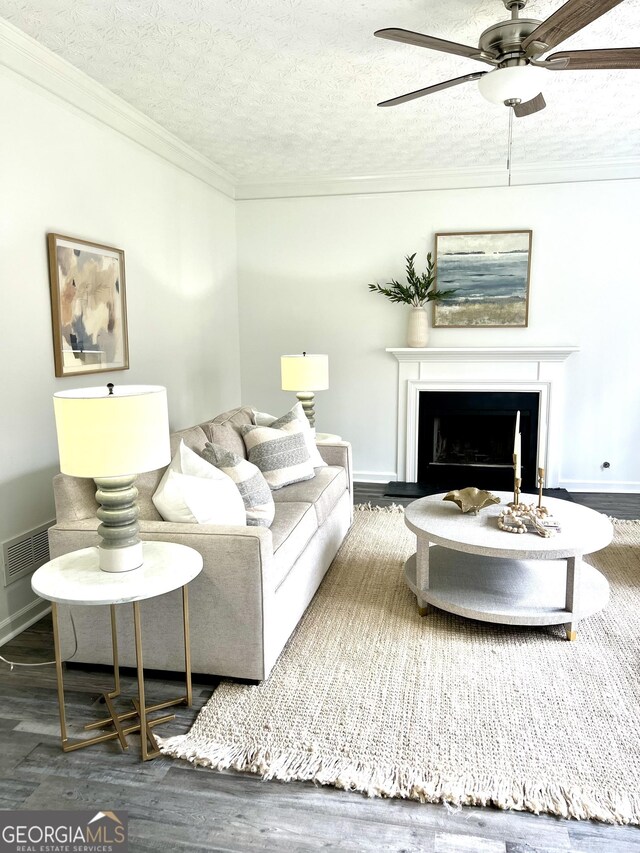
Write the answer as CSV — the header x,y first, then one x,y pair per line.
x,y
288,88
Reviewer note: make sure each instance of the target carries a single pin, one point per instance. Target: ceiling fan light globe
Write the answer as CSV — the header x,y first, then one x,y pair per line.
x,y
519,82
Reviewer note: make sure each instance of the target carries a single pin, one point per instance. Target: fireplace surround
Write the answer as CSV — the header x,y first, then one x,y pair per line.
x,y
497,370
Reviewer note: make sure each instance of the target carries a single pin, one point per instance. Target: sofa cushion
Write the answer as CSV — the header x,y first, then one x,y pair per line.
x,y
224,429
227,436
235,417
193,437
281,454
195,492
293,526
324,491
253,488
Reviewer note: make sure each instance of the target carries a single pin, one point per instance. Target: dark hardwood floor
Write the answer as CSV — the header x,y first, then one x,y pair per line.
x,y
174,806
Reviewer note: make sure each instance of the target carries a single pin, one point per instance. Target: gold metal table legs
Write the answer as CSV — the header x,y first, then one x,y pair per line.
x,y
136,720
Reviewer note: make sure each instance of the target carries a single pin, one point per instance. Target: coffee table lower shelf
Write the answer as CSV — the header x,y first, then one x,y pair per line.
x,y
506,591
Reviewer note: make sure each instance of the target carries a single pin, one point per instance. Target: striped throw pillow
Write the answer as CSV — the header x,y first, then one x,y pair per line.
x,y
281,454
253,488
297,416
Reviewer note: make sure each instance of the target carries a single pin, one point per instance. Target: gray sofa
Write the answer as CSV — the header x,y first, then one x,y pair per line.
x,y
256,582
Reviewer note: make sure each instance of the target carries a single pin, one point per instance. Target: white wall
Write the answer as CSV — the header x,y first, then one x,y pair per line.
x,y
62,171
304,264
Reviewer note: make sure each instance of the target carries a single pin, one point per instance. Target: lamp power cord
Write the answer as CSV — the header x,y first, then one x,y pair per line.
x,y
12,663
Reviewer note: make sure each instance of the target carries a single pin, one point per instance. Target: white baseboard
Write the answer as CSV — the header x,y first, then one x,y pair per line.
x,y
617,487
20,621
374,476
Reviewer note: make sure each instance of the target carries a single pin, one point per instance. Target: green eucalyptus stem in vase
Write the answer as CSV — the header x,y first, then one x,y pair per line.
x,y
416,292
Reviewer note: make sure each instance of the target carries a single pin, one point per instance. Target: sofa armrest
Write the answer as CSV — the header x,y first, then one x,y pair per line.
x,y
339,453
231,547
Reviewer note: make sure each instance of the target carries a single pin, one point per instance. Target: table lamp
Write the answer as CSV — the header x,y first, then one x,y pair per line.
x,y
112,434
305,374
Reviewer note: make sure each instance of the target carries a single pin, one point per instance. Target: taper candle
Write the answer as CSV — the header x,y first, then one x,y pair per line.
x,y
517,433
517,455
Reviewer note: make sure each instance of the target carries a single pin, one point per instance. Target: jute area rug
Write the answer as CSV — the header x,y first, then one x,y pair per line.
x,y
368,696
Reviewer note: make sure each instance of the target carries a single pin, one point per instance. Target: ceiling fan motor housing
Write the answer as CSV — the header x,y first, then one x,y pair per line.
x,y
515,80
504,40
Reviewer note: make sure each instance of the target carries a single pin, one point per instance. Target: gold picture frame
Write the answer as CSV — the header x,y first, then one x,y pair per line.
x,y
88,306
490,271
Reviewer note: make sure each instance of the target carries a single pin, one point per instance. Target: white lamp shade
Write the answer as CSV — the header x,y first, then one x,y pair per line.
x,y
304,372
519,81
112,435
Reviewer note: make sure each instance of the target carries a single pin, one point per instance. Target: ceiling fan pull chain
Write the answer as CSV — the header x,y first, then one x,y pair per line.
x,y
509,145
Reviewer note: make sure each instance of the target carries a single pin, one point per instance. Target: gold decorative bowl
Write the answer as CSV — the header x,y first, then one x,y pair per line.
x,y
471,499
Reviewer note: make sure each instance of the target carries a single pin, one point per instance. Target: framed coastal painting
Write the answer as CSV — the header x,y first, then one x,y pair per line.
x,y
490,273
88,306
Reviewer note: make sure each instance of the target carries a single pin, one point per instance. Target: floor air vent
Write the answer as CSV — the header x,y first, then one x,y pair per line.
x,y
26,553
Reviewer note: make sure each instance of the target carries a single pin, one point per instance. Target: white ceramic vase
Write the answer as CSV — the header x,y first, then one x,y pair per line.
x,y
418,329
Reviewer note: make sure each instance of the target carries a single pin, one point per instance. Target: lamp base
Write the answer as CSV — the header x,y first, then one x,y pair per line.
x,y
120,559
120,549
307,398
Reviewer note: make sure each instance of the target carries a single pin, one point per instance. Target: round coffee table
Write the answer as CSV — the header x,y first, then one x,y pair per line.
x,y
465,564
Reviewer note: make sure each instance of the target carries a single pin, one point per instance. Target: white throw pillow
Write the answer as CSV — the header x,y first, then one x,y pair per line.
x,y
297,413
194,492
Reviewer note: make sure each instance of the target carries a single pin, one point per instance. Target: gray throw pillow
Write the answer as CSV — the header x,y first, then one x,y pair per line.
x,y
297,415
253,488
281,454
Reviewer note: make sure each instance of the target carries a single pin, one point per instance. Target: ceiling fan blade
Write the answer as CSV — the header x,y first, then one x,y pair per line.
x,y
567,20
421,40
615,57
528,107
401,99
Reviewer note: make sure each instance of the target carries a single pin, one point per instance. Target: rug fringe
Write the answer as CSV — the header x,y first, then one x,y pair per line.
x,y
609,806
367,507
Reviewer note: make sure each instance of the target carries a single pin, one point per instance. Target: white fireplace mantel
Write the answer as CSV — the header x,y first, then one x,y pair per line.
x,y
475,354
531,368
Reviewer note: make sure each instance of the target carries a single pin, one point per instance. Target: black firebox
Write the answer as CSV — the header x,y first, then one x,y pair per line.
x,y
466,438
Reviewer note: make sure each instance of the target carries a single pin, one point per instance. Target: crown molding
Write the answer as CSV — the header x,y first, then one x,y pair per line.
x,y
436,179
442,179
25,56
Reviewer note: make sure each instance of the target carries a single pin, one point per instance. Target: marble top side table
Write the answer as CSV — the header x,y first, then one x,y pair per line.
x,y
76,578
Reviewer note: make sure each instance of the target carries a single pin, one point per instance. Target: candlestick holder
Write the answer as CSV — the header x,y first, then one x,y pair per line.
x,y
517,482
540,485
519,517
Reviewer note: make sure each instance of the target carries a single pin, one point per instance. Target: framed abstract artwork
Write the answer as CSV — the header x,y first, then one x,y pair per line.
x,y
88,306
490,273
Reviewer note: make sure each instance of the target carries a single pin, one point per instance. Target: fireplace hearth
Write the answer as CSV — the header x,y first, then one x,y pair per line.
x,y
465,438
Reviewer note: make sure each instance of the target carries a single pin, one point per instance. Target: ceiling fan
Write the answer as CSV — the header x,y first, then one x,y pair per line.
x,y
514,46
